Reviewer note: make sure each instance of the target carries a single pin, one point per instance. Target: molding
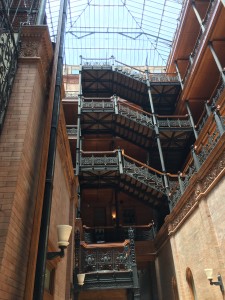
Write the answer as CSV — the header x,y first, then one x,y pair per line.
x,y
36,47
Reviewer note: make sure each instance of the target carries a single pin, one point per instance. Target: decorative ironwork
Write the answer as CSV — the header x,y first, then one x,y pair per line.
x,y
201,36
8,60
117,234
95,161
174,123
202,123
105,259
71,94
97,106
202,155
144,176
138,116
129,71
164,77
72,130
218,92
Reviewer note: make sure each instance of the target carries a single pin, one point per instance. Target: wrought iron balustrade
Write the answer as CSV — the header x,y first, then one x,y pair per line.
x,y
99,160
72,130
102,257
97,105
71,94
172,122
129,71
207,148
134,114
9,49
117,234
202,122
163,77
99,63
201,36
143,173
218,92
202,153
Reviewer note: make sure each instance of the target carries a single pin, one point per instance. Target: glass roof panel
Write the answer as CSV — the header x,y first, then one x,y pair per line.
x,y
135,32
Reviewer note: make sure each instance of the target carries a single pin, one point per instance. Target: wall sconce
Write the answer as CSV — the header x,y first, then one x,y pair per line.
x,y
80,279
209,275
113,212
63,232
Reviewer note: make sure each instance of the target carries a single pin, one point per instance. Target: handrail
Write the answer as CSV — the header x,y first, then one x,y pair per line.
x,y
98,152
142,164
146,166
135,108
120,226
105,245
97,98
130,66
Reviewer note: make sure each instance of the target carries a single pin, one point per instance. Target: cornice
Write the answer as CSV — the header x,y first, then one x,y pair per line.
x,y
36,47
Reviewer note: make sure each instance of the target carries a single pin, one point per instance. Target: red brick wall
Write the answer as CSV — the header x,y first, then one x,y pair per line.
x,y
20,155
164,272
23,157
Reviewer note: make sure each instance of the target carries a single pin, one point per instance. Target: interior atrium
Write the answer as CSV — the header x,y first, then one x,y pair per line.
x,y
112,160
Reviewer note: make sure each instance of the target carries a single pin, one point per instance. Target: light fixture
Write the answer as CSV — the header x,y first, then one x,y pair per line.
x,y
209,275
80,278
113,212
63,232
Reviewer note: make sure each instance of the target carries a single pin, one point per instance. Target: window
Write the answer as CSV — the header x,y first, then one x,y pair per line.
x,y
191,284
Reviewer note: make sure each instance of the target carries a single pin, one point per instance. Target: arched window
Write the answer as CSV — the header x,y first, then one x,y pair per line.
x,y
175,289
191,284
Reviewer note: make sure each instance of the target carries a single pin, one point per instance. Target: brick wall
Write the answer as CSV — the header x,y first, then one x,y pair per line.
x,y
23,158
20,156
164,272
199,244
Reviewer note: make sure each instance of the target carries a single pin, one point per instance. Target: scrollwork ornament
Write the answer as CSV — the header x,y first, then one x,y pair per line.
x,y
183,213
29,49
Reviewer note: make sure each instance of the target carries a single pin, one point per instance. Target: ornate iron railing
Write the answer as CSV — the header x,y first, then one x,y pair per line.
x,y
71,94
133,72
72,130
124,164
117,234
145,175
201,36
100,257
107,265
97,105
134,114
99,160
201,155
173,122
9,48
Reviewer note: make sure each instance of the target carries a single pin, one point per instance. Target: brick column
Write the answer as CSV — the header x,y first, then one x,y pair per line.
x,y
23,157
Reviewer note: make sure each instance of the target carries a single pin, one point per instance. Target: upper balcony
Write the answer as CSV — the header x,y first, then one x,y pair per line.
x,y
192,54
103,78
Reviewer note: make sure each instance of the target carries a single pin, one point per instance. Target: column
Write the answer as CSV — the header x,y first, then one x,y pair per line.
x,y
78,147
178,72
197,15
157,136
219,66
191,119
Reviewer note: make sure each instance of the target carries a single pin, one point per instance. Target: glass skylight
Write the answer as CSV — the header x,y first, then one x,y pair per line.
x,y
135,32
